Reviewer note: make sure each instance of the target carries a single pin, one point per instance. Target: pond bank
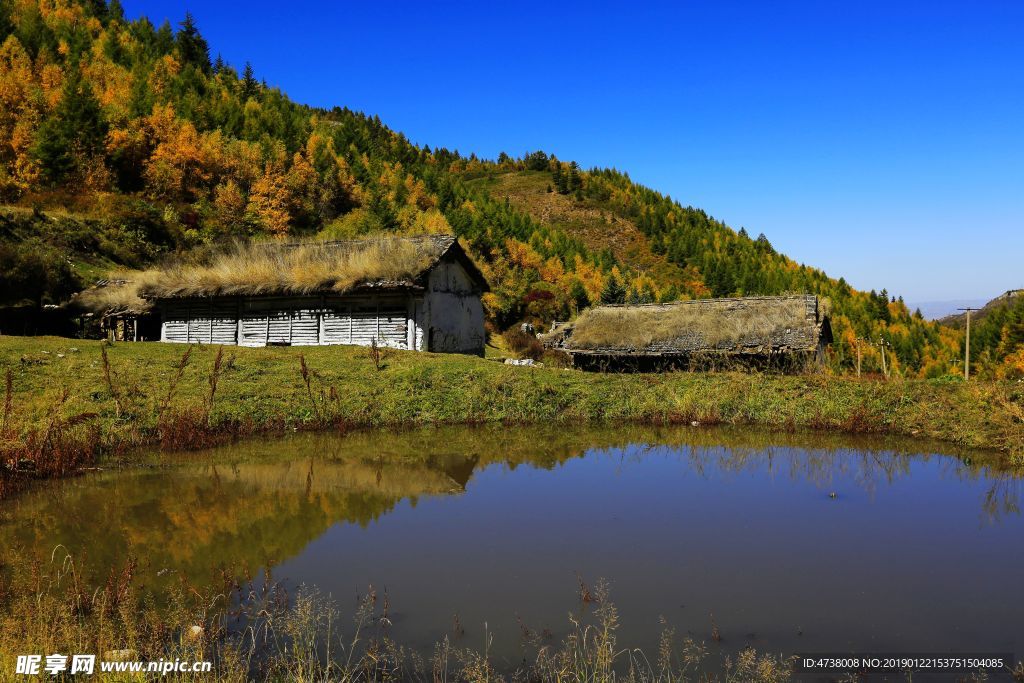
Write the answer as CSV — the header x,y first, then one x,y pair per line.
x,y
68,402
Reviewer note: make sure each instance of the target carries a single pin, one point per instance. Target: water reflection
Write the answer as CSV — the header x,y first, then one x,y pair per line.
x,y
793,541
256,504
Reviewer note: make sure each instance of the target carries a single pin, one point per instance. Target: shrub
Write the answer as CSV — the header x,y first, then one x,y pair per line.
x,y
524,344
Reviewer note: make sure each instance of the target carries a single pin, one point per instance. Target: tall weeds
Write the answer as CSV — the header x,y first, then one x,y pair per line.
x,y
108,377
212,380
260,632
8,402
179,371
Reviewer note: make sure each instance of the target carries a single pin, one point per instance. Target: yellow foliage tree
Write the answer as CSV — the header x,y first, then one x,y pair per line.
x,y
269,200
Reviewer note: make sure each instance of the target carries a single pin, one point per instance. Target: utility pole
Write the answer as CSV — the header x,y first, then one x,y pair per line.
x,y
858,340
881,347
967,345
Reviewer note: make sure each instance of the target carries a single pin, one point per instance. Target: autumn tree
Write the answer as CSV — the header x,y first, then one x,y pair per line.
x,y
269,202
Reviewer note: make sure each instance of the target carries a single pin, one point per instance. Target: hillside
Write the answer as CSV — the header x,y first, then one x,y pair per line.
x,y
130,145
1008,299
997,336
597,226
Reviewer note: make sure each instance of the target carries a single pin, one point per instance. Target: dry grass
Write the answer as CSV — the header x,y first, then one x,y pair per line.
x,y
264,268
268,268
258,631
688,324
121,296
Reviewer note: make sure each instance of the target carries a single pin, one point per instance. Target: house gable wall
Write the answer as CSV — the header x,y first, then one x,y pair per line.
x,y
455,315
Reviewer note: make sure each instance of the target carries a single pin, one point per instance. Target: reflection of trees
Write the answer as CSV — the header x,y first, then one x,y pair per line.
x,y
239,515
257,503
1002,497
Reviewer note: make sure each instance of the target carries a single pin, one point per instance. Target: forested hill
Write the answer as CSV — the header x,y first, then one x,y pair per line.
x,y
123,141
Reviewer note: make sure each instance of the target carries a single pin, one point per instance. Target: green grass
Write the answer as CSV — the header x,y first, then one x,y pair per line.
x,y
64,413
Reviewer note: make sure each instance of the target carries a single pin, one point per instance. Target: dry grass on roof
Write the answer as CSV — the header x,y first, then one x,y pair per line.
x,y
702,324
263,268
121,296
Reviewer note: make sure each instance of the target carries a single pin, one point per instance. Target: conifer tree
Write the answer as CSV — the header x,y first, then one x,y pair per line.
x,y
192,47
115,10
614,292
250,86
164,39
75,130
574,181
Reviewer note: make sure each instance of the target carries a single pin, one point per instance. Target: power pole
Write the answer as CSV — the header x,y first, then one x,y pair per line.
x,y
881,347
967,345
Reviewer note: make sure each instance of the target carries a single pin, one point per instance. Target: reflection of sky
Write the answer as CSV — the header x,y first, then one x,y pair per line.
x,y
909,562
913,553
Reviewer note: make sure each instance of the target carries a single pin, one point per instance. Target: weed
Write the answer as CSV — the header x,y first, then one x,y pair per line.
x,y
108,377
213,379
377,354
8,402
307,379
179,371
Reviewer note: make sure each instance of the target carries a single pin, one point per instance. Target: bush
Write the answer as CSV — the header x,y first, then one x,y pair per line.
x,y
524,344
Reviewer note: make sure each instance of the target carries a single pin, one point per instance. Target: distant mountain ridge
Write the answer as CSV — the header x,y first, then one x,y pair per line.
x,y
1007,299
936,310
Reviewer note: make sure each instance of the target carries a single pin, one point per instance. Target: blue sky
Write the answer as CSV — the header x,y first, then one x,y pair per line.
x,y
879,141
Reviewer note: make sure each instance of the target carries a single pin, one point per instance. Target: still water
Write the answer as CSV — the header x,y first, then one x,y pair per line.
x,y
792,542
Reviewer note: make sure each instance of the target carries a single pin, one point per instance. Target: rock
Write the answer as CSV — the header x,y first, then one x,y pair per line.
x,y
119,655
73,350
528,328
60,355
695,424
522,361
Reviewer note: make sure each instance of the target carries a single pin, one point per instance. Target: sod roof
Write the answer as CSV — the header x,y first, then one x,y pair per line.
x,y
761,324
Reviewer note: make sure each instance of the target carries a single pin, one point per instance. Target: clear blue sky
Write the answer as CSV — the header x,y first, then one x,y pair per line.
x,y
880,141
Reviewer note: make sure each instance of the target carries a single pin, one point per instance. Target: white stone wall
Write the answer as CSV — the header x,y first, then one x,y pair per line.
x,y
455,316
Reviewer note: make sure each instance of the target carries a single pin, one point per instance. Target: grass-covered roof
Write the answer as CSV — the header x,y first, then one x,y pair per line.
x,y
736,325
283,268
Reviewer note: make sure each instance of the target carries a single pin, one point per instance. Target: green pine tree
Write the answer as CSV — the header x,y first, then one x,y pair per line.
x,y
250,86
74,131
192,47
614,292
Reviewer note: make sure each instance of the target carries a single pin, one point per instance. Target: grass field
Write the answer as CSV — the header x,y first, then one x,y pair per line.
x,y
68,403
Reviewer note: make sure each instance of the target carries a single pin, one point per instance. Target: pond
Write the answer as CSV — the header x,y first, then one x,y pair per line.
x,y
789,543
